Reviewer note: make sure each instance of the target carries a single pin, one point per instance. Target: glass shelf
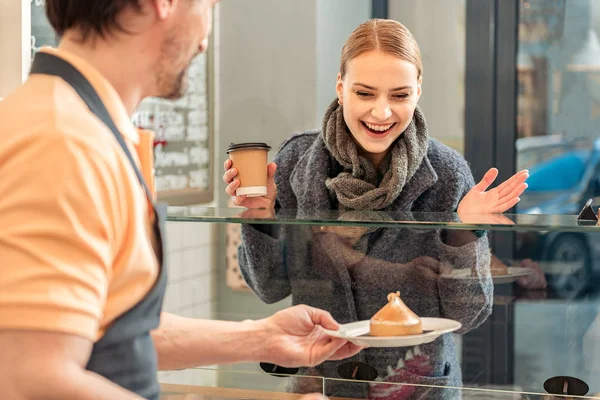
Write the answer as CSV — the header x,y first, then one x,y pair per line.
x,y
537,290
201,383
384,219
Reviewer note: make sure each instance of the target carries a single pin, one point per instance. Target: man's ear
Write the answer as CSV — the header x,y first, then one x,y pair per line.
x,y
164,8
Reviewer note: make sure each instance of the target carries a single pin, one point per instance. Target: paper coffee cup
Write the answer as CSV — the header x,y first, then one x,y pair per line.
x,y
250,159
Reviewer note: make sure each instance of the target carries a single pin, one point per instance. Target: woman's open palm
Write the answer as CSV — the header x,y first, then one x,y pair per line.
x,y
497,200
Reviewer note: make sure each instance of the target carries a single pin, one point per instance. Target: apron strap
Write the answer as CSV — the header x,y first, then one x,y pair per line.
x,y
48,64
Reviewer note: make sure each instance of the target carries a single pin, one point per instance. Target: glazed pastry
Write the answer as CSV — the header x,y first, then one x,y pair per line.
x,y
395,319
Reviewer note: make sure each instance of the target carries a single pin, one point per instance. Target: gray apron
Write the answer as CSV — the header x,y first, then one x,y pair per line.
x,y
125,355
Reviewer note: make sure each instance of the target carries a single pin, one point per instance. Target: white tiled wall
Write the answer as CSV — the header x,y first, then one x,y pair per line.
x,y
191,291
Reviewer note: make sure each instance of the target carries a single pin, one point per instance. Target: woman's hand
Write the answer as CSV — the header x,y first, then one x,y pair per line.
x,y
497,200
267,201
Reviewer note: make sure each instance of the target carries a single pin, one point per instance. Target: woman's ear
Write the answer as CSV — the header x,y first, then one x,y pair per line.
x,y
339,88
419,84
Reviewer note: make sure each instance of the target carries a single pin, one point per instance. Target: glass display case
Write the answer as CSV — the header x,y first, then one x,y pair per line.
x,y
235,385
529,322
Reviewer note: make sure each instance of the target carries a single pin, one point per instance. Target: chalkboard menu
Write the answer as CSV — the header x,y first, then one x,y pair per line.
x,y
42,33
183,145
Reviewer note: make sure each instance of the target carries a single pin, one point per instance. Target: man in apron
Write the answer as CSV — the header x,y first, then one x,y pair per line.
x,y
82,269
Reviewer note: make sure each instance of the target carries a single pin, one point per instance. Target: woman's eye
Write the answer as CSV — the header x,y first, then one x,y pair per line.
x,y
363,94
401,96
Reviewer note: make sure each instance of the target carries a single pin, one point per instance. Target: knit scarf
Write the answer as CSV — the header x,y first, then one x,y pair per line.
x,y
360,186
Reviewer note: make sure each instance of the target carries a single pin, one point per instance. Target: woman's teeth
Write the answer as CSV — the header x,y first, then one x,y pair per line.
x,y
378,128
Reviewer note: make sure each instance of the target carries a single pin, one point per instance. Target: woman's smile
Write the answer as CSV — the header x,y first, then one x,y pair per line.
x,y
377,130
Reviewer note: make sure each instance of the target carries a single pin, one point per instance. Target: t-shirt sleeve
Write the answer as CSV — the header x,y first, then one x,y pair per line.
x,y
58,207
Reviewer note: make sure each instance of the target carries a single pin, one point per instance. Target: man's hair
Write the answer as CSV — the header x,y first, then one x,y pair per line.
x,y
91,17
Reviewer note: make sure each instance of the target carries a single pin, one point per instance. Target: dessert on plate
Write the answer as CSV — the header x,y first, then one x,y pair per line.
x,y
395,319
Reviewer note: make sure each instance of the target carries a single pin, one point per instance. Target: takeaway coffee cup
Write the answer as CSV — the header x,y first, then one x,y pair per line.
x,y
250,159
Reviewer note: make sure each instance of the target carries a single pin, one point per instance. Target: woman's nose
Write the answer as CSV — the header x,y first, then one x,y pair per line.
x,y
381,111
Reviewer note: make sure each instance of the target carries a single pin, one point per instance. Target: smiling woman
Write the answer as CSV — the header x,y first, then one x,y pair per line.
x,y
379,85
379,94
373,153
375,133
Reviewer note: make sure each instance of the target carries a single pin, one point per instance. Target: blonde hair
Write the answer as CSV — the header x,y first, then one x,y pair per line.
x,y
384,35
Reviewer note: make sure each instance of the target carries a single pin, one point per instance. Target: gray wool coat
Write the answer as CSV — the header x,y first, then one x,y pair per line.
x,y
322,269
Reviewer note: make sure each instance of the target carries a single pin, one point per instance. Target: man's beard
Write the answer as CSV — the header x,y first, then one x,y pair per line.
x,y
178,87
171,86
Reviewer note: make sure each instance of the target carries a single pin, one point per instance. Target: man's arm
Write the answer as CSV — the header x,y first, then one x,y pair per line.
x,y
48,365
185,342
292,337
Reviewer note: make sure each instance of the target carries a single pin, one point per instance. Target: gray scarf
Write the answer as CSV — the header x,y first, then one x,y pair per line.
x,y
359,187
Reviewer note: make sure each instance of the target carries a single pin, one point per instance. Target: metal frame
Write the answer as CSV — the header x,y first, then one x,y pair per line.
x,y
491,86
379,9
490,134
480,85
491,95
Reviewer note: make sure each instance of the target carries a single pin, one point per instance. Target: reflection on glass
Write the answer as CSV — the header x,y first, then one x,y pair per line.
x,y
347,263
350,270
558,104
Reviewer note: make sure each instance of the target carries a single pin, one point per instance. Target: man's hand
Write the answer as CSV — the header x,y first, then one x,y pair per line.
x,y
497,200
295,338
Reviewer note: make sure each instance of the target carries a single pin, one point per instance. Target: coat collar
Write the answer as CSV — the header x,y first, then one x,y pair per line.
x,y
312,170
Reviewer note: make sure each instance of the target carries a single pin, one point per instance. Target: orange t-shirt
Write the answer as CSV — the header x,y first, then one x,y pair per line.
x,y
75,243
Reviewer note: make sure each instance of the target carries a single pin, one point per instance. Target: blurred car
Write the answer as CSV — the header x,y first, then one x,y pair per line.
x,y
564,175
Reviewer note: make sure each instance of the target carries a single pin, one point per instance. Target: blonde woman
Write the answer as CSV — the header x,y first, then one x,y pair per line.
x,y
374,153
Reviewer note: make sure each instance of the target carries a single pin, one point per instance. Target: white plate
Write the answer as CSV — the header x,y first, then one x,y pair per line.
x,y
432,327
513,274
